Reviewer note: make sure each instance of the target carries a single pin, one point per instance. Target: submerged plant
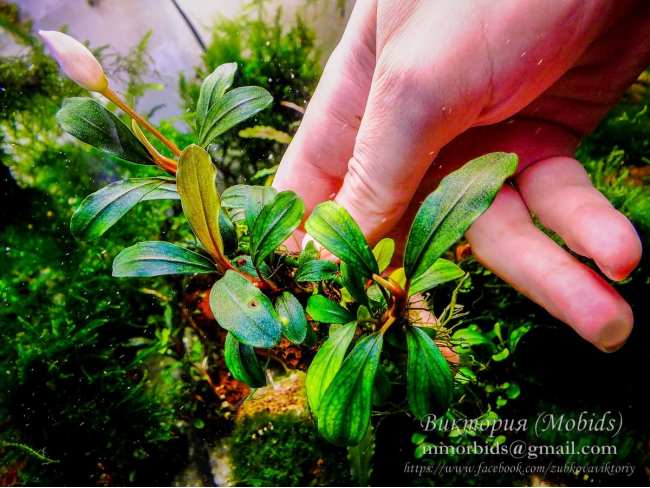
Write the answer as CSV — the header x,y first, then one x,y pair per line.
x,y
263,292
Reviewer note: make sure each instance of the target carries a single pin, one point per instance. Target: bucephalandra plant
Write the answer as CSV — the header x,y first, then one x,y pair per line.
x,y
353,312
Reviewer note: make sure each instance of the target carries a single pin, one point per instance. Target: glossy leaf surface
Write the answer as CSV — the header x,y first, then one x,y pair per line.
x,y
244,310
448,212
155,258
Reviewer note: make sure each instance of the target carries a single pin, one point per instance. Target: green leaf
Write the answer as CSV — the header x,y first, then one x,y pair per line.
x,y
316,270
383,253
244,310
327,362
517,334
441,271
243,363
99,211
360,459
234,107
344,413
245,263
502,355
88,120
333,227
354,283
309,253
196,184
292,317
275,223
166,191
265,132
470,337
228,233
245,202
212,90
155,258
448,212
429,384
322,309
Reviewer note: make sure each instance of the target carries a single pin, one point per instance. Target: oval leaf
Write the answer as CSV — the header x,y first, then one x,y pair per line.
x,y
242,362
447,213
244,310
316,270
441,271
333,227
344,414
88,120
275,223
292,317
234,107
327,362
99,211
245,202
429,384
322,309
212,90
383,252
196,185
156,258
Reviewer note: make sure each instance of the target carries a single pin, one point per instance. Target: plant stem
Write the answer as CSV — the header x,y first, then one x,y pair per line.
x,y
114,97
391,286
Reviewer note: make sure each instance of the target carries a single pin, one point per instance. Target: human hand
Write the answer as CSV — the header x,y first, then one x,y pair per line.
x,y
417,81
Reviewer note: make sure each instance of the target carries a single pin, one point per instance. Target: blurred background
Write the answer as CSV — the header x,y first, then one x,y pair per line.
x,y
122,382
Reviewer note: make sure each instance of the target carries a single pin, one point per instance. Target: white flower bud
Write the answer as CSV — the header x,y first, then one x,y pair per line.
x,y
76,61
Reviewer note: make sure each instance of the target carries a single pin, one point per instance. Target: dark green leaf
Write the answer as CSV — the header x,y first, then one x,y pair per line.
x,y
333,227
292,317
447,213
382,388
429,383
243,363
88,120
155,258
244,310
355,283
99,211
316,270
322,309
196,185
212,90
441,271
245,202
228,233
383,252
275,223
234,107
327,362
344,413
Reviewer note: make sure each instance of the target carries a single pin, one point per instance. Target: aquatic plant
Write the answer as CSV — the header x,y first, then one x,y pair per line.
x,y
263,291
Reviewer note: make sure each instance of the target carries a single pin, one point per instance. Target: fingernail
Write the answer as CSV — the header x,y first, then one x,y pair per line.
x,y
613,348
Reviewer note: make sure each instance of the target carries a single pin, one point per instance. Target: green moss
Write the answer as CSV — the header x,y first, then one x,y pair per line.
x,y
284,450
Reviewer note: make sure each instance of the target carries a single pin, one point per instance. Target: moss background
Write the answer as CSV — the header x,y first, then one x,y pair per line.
x,y
101,380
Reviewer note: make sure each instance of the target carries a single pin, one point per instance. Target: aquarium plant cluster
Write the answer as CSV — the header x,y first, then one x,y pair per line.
x,y
353,310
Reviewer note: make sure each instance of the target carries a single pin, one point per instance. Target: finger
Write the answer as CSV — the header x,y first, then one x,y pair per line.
x,y
558,191
315,162
506,241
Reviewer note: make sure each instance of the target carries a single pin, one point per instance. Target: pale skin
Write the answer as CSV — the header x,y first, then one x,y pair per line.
x,y
417,87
